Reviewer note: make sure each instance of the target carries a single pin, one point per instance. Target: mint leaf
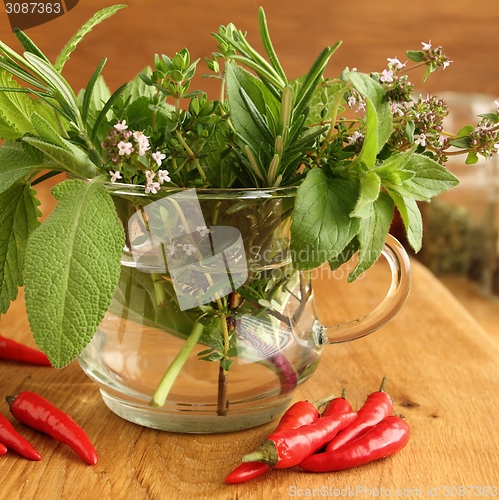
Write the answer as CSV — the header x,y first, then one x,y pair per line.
x,y
72,268
321,226
18,218
411,217
370,185
429,180
372,235
379,116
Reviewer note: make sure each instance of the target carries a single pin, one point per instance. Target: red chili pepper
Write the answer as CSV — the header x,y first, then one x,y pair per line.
x,y
12,350
377,406
3,449
383,440
11,438
299,414
289,447
337,406
35,411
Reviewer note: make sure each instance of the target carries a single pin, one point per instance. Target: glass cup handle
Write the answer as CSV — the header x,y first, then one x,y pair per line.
x,y
395,298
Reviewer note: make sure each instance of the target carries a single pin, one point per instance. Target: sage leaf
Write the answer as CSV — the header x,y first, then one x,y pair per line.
x,y
72,268
322,226
18,218
48,74
71,158
255,92
372,234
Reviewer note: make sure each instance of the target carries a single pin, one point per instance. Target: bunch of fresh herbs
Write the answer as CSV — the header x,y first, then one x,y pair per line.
x,y
355,146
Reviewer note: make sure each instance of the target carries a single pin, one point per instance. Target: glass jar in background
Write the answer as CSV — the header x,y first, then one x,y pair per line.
x,y
461,225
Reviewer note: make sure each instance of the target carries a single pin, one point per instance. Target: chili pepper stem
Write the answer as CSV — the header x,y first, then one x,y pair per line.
x,y
324,401
164,386
382,387
266,453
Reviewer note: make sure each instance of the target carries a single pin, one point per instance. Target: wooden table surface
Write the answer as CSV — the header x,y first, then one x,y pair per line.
x,y
442,370
442,367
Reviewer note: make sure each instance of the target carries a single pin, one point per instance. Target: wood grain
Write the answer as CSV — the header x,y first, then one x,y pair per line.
x,y
442,367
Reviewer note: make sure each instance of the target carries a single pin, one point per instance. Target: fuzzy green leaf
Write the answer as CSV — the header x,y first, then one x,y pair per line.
x,y
18,219
15,109
15,163
96,19
372,235
45,130
72,268
322,226
370,186
69,158
429,179
379,117
48,74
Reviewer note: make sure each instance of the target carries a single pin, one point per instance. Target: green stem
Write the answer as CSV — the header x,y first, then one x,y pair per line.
x,y
223,375
164,386
191,154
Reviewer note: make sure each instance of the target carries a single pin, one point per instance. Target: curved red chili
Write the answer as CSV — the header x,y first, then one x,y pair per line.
x,y
377,406
299,414
337,406
14,351
383,440
36,412
3,449
14,441
289,447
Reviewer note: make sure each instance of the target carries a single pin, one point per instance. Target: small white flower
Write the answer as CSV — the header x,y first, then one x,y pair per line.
x,y
386,76
203,230
142,142
441,140
115,176
394,63
352,101
188,248
426,46
420,139
125,148
121,126
158,157
355,137
151,187
396,109
150,175
163,176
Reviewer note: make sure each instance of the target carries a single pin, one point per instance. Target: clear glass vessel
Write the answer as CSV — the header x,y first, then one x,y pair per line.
x,y
208,296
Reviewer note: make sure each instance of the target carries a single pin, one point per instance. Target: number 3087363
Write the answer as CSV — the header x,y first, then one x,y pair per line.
x,y
33,8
